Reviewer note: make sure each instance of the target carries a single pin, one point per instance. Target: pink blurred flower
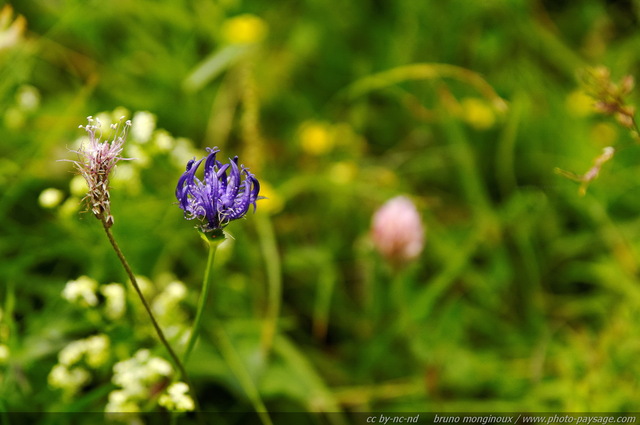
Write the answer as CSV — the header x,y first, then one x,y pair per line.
x,y
397,231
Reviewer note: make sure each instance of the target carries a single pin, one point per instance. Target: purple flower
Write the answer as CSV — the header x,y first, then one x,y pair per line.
x,y
221,197
95,163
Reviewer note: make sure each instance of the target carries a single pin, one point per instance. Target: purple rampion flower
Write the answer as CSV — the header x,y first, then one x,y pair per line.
x,y
219,198
95,163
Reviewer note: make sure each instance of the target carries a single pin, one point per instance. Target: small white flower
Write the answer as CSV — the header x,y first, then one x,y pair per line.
x,y
97,350
142,355
68,380
120,402
158,366
144,123
140,154
138,374
72,353
81,291
146,286
166,302
176,290
4,354
176,398
50,198
114,294
163,141
28,97
182,152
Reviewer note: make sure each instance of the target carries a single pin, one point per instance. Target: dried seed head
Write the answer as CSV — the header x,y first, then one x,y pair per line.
x,y
96,161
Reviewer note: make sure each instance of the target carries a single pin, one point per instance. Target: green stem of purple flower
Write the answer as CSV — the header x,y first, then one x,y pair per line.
x,y
213,240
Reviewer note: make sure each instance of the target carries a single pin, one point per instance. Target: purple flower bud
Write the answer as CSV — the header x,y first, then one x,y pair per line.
x,y
221,196
95,163
397,231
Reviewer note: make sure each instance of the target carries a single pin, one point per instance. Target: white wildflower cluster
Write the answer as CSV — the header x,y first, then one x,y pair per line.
x,y
165,303
147,287
84,292
81,291
93,350
5,353
111,300
166,307
177,398
148,141
138,378
75,362
115,300
68,380
141,378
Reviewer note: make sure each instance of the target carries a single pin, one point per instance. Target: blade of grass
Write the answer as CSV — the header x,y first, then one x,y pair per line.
x,y
423,71
237,366
269,248
320,397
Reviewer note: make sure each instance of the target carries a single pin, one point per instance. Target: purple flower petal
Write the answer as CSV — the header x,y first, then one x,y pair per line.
x,y
220,197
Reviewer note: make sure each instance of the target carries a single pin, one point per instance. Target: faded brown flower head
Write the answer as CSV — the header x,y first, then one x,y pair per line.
x,y
610,97
96,161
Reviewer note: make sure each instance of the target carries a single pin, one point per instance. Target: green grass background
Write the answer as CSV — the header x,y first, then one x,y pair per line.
x,y
526,297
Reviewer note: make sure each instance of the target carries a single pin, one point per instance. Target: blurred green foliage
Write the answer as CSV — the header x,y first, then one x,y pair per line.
x,y
526,297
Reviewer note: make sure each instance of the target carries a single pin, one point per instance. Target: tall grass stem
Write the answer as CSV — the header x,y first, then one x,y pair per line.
x,y
271,256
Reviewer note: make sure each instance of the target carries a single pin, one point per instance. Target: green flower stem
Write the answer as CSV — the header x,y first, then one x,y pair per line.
x,y
163,339
214,241
401,299
222,340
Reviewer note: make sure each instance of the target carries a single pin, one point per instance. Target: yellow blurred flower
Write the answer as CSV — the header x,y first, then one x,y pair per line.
x,y
383,177
579,103
273,202
316,138
343,172
604,133
244,29
477,113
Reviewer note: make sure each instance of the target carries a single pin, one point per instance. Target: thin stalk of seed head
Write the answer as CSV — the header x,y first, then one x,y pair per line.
x,y
204,296
163,339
